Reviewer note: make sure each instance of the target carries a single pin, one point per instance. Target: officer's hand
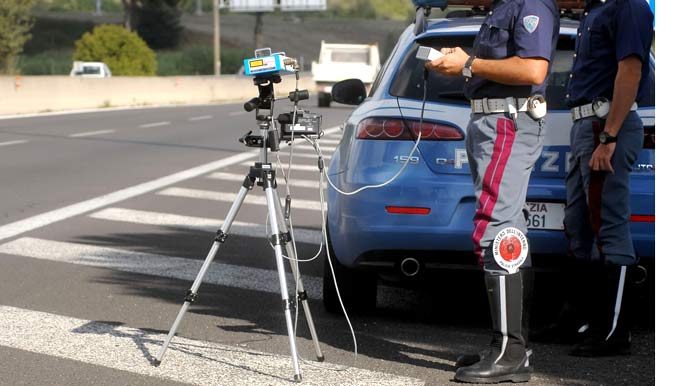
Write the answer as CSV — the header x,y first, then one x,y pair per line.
x,y
451,64
602,155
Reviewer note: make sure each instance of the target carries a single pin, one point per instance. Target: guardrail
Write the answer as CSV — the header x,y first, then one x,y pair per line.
x,y
36,94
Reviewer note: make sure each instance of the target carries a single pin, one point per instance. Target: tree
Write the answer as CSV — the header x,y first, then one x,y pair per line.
x,y
124,52
156,21
159,23
15,23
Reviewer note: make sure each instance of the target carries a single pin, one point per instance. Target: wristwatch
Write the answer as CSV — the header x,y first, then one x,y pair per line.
x,y
606,138
467,70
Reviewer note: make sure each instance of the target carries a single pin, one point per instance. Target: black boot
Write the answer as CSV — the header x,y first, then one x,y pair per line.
x,y
608,333
528,278
573,281
507,359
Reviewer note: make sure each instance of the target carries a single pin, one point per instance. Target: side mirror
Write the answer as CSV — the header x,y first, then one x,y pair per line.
x,y
349,92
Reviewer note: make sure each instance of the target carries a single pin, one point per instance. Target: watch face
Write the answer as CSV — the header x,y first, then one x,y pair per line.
x,y
466,72
602,137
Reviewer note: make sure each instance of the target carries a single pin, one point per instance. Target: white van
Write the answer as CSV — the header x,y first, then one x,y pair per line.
x,y
90,70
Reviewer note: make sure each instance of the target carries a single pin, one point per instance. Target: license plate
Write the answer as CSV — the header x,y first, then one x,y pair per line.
x,y
545,215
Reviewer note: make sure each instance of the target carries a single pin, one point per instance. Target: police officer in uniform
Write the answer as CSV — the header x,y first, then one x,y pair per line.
x,y
506,75
609,73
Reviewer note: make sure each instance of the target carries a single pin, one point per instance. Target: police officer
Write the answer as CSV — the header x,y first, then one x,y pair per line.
x,y
609,73
506,74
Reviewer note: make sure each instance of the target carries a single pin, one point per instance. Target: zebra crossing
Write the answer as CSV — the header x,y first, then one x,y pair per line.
x,y
131,349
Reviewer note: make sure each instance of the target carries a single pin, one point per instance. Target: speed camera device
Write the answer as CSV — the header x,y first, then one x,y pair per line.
x,y
265,63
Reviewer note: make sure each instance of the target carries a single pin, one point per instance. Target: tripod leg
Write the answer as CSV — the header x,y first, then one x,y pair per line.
x,y
301,292
277,242
221,235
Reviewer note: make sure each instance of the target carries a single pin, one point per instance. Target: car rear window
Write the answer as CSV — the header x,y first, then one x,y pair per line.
x,y
408,81
350,56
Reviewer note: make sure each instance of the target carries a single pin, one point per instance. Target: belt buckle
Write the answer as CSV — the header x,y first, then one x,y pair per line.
x,y
485,105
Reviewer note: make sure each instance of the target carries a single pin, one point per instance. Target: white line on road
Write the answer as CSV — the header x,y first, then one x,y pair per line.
x,y
236,113
298,154
200,118
229,197
90,133
38,221
188,361
201,224
8,143
34,222
294,183
237,276
154,124
307,146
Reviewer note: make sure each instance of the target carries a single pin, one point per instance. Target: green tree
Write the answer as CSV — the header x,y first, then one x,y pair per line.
x,y
124,52
15,23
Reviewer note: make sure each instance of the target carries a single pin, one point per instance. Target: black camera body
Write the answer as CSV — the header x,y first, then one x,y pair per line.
x,y
306,123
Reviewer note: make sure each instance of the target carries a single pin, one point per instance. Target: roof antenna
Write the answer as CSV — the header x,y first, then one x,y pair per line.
x,y
422,13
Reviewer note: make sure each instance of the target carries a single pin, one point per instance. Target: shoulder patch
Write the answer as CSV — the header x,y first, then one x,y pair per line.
x,y
531,22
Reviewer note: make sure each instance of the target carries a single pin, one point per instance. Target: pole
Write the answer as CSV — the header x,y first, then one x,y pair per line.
x,y
217,43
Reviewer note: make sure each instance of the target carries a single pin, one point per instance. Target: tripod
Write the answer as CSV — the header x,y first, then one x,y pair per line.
x,y
263,174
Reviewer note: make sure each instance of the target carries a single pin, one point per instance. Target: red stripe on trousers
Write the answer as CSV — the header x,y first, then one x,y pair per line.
x,y
505,136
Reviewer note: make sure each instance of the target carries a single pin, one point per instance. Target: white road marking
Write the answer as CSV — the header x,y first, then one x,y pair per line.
x,y
295,182
237,276
298,154
38,221
188,361
200,118
154,124
8,143
229,197
90,133
307,146
237,113
202,224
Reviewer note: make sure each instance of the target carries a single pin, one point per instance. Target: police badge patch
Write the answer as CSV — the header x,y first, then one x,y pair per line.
x,y
531,22
510,249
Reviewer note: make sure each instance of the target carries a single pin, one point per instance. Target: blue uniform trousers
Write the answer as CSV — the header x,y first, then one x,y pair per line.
x,y
598,208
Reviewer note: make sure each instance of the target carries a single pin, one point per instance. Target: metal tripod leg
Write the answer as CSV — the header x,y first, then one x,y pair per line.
x,y
277,241
294,264
221,235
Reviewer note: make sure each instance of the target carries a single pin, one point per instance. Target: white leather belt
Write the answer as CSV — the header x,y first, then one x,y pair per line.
x,y
494,105
585,111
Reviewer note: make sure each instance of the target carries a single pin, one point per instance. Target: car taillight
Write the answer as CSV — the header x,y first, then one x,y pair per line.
x,y
649,137
406,129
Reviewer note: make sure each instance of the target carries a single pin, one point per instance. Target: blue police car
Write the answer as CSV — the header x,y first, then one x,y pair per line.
x,y
422,221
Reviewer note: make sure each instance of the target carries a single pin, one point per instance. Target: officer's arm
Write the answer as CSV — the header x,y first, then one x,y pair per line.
x,y
629,73
514,71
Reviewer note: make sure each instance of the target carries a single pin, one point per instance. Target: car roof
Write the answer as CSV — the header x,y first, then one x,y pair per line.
x,y
471,25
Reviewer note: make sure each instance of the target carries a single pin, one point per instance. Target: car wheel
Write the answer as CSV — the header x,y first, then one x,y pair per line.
x,y
324,99
358,289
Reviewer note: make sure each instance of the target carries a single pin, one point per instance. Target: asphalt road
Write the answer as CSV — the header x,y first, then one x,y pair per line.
x,y
106,217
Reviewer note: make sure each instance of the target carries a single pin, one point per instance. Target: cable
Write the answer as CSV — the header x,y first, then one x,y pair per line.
x,y
415,146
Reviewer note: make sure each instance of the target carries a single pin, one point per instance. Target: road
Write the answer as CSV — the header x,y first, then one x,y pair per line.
x,y
105,219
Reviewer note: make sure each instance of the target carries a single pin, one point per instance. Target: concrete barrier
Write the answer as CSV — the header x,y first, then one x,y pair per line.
x,y
36,94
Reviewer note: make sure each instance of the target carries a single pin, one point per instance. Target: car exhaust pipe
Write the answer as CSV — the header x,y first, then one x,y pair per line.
x,y
409,267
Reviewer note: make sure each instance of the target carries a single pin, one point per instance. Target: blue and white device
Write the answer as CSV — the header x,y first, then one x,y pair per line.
x,y
267,63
